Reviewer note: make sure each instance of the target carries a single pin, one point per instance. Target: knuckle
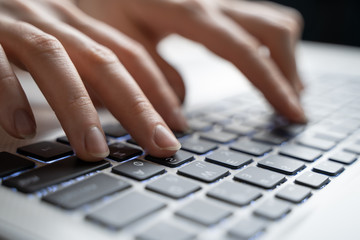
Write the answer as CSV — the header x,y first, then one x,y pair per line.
x,y
140,107
79,101
100,55
135,52
43,44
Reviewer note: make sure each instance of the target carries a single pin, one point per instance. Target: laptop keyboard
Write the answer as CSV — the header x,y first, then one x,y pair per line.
x,y
238,155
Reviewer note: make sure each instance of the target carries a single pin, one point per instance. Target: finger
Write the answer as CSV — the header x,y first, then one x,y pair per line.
x,y
117,90
139,64
278,29
220,34
46,60
16,116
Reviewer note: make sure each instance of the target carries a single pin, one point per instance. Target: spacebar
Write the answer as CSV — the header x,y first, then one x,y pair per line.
x,y
53,173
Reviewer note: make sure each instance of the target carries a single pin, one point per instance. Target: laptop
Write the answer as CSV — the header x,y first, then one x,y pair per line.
x,y
243,172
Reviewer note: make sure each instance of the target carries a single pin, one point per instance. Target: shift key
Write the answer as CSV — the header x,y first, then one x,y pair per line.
x,y
53,173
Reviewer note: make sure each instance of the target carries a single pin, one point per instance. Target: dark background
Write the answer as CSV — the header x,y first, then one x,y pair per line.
x,y
331,21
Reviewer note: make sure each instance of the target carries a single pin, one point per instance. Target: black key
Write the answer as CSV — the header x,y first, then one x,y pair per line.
x,y
353,148
343,157
203,171
173,186
121,152
10,163
219,137
260,177
53,173
203,212
138,169
273,209
294,193
239,129
126,210
46,151
247,228
178,159
317,143
235,193
228,158
114,130
270,138
181,134
86,191
290,130
299,152
313,180
64,140
198,146
329,168
282,164
250,147
165,231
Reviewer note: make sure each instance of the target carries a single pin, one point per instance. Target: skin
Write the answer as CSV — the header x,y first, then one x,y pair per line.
x,y
105,54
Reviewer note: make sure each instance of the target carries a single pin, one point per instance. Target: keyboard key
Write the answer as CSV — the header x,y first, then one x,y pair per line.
x,y
53,173
86,191
329,168
247,228
290,130
273,209
313,180
126,210
165,231
198,146
203,171
228,158
353,148
11,163
294,193
239,129
343,157
114,130
317,143
235,193
218,137
178,159
299,152
330,136
173,186
270,138
282,164
63,140
203,212
121,152
46,151
138,169
260,177
199,125
250,147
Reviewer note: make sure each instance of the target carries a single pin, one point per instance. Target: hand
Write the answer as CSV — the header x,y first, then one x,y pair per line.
x,y
235,30
65,50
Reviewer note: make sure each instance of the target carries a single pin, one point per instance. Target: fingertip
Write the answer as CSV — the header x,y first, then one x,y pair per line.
x,y
95,144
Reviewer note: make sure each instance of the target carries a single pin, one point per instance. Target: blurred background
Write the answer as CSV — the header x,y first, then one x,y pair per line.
x,y
331,21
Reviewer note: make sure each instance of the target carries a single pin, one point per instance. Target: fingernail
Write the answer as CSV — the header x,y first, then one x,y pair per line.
x,y
24,124
165,140
299,113
180,120
95,143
